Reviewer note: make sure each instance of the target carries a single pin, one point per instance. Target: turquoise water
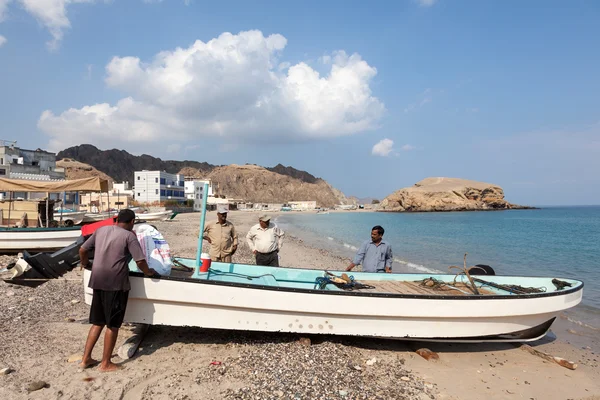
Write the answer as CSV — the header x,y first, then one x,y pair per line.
x,y
557,242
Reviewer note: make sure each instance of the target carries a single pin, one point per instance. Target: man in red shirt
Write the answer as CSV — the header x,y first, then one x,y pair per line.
x,y
114,246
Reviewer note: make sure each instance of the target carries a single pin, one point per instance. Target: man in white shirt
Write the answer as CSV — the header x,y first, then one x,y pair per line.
x,y
265,239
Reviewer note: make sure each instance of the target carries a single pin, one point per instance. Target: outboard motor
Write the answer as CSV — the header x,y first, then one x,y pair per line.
x,y
481,269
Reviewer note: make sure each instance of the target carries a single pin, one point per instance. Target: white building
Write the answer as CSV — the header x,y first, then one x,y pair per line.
x,y
158,186
193,191
303,205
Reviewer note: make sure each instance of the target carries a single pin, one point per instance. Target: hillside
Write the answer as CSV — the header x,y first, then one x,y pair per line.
x,y
76,170
252,183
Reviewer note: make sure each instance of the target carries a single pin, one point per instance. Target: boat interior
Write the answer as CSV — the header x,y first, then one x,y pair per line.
x,y
396,284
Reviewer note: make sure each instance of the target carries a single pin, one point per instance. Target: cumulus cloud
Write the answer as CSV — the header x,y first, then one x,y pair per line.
x,y
383,148
2,40
230,87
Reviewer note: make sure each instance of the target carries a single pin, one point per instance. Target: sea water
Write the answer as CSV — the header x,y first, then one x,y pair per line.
x,y
562,242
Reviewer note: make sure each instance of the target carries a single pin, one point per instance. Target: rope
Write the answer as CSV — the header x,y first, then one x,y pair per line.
x,y
249,277
514,289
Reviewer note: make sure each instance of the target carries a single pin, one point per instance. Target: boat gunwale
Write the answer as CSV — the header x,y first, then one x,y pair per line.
x,y
39,229
369,294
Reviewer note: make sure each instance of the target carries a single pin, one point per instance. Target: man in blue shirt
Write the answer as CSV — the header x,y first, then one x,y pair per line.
x,y
375,255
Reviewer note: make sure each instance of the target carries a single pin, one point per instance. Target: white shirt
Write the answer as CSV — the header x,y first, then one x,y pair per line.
x,y
265,240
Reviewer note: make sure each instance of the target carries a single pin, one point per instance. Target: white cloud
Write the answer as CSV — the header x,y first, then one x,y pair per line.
x,y
53,15
383,148
407,147
3,8
2,40
229,87
426,3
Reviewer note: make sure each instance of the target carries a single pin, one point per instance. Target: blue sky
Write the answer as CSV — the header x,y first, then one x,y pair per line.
x,y
371,97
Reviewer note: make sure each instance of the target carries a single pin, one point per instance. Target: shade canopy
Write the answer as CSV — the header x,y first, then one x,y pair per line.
x,y
93,184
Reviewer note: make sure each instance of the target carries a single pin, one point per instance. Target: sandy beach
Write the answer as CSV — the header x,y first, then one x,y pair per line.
x,y
43,331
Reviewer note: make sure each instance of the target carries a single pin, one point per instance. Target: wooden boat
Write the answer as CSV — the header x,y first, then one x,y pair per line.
x,y
14,240
397,306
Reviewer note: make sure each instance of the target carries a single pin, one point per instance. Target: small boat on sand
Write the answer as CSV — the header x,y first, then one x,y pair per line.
x,y
14,240
154,216
397,306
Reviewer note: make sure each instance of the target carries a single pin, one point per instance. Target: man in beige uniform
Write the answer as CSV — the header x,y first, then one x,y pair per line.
x,y
265,239
222,236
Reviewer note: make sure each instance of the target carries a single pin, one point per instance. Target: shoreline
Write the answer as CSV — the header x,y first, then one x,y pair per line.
x,y
42,327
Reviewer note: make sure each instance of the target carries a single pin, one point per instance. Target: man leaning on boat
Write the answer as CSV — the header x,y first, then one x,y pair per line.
x,y
222,236
113,246
375,255
265,240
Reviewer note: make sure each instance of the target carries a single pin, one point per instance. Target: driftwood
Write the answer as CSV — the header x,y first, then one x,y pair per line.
x,y
560,361
130,346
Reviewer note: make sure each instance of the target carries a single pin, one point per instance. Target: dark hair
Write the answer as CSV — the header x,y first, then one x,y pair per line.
x,y
125,216
379,229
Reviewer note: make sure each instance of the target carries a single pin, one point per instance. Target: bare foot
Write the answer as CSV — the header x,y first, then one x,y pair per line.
x,y
88,363
110,367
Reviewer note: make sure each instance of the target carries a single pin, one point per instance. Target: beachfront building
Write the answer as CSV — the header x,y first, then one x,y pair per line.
x,y
18,163
302,205
98,202
37,165
193,191
122,189
158,186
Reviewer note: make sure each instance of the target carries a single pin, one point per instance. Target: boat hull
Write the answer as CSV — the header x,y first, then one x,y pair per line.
x,y
155,216
36,239
219,305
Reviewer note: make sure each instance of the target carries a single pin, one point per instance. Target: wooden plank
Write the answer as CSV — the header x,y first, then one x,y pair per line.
x,y
415,288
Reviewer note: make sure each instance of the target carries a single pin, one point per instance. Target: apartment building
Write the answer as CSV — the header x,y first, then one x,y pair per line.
x,y
158,186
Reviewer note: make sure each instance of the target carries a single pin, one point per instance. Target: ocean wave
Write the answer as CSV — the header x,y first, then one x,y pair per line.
x,y
329,238
349,246
418,267
576,322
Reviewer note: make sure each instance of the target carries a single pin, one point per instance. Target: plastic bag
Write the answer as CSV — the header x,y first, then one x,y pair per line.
x,y
155,248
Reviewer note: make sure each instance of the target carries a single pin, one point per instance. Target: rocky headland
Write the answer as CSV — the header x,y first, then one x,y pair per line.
x,y
448,194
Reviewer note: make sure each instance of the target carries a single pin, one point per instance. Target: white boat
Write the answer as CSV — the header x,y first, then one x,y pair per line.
x,y
96,217
398,306
154,216
13,240
69,218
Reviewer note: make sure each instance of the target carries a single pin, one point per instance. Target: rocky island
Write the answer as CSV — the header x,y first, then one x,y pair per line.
x,y
448,194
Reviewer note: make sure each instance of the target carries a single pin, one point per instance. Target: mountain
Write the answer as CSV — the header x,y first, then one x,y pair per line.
x,y
249,182
121,165
448,194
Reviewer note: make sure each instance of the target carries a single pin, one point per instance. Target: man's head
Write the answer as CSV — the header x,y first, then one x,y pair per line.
x,y
222,211
125,219
377,234
263,220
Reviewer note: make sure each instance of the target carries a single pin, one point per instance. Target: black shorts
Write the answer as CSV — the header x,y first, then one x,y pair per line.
x,y
108,308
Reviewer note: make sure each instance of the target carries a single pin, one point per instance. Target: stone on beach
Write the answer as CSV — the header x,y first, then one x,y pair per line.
x,y
427,354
